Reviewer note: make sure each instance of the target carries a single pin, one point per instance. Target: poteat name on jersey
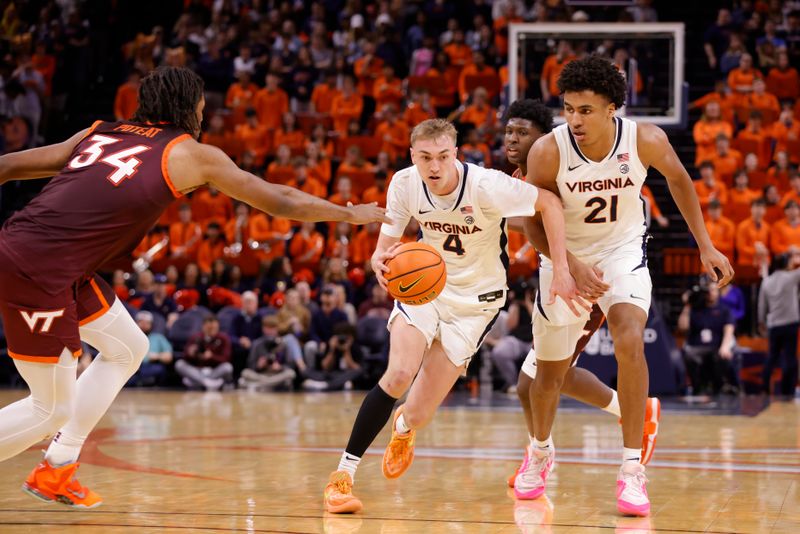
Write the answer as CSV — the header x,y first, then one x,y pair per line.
x,y
600,185
450,228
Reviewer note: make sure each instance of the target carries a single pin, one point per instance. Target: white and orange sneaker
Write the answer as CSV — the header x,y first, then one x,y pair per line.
x,y
632,496
513,477
652,417
531,479
59,484
338,496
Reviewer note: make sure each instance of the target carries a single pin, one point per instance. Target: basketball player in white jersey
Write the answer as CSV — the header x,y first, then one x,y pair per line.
x,y
597,164
461,210
526,121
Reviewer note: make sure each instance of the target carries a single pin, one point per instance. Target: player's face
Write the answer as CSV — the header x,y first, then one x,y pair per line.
x,y
199,113
588,116
518,139
435,161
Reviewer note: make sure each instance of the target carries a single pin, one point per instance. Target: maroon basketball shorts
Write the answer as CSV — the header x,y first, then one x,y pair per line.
x,y
38,325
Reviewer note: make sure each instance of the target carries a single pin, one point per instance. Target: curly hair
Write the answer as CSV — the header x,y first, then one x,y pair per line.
x,y
532,110
171,95
594,73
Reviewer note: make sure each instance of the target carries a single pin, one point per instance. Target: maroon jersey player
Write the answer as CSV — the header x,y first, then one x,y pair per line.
x,y
112,182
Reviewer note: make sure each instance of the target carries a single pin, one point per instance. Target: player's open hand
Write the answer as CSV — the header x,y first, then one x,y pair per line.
x,y
367,213
563,285
589,280
717,266
379,267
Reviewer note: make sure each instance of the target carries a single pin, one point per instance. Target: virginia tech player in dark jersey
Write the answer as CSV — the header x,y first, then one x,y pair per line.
x,y
526,121
112,182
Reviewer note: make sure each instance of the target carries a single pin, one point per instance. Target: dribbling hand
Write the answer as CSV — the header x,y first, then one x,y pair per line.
x,y
379,267
367,213
563,285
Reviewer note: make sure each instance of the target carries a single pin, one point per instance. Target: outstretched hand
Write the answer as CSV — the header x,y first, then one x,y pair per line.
x,y
367,213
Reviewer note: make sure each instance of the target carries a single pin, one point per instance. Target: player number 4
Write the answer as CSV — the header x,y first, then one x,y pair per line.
x,y
124,161
453,244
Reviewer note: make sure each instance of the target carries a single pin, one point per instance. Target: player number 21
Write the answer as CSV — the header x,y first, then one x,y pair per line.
x,y
124,161
599,204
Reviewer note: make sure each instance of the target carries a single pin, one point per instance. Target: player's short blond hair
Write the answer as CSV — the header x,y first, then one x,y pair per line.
x,y
433,129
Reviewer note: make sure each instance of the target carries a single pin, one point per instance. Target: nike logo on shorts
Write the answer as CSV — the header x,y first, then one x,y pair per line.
x,y
635,297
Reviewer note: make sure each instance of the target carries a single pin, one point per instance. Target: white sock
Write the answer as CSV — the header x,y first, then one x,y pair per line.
x,y
349,463
631,455
613,406
63,450
548,442
543,448
532,440
400,425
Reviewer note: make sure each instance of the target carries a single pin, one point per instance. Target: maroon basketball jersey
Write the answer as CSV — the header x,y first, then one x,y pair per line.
x,y
98,208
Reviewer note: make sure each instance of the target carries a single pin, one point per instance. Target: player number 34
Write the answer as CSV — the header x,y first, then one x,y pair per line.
x,y
124,161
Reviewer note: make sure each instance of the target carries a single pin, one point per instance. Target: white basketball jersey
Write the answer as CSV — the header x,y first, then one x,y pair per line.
x,y
603,206
469,234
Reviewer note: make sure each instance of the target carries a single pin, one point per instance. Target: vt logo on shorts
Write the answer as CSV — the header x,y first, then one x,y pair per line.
x,y
47,318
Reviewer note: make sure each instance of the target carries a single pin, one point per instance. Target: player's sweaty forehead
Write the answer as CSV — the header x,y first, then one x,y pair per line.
x,y
433,147
588,100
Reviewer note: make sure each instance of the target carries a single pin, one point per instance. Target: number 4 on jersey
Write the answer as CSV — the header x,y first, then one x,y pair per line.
x,y
124,161
453,244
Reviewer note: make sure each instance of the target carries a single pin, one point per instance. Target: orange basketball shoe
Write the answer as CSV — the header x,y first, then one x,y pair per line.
x,y
400,451
59,484
339,498
652,417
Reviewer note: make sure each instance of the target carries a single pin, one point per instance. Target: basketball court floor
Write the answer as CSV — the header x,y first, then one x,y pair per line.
x,y
247,462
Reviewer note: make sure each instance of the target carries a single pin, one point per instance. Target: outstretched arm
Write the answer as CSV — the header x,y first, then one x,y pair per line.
x,y
42,162
655,150
193,164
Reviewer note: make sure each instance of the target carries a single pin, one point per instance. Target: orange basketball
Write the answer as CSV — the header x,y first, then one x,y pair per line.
x,y
416,274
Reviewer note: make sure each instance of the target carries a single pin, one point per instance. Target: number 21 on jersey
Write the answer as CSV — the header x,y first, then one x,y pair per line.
x,y
124,161
598,213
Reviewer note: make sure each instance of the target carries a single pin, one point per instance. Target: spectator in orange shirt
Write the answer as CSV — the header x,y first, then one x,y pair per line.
x,y
785,235
480,114
778,172
346,106
271,102
721,230
708,188
458,52
211,248
376,193
367,69
419,108
551,70
184,235
444,80
340,242
344,192
740,198
364,244
393,132
319,166
127,99
241,94
794,188
304,182
46,65
763,101
741,78
752,236
210,205
388,89
321,138
755,132
707,129
253,138
306,248
478,67
289,135
723,95
270,235
786,129
726,160
382,164
281,170
783,80
217,135
773,199
653,210
354,163
324,92
475,151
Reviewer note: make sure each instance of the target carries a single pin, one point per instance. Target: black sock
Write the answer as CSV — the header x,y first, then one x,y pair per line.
x,y
375,411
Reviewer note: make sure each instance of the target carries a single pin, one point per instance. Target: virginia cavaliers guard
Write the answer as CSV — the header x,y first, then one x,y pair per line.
x,y
597,164
112,182
431,344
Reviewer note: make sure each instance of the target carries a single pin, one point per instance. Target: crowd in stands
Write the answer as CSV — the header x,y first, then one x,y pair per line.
x,y
322,96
